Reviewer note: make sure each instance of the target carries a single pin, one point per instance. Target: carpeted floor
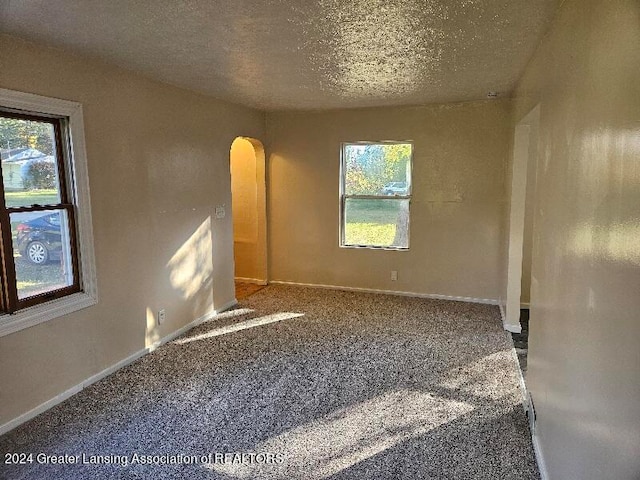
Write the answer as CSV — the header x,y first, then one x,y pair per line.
x,y
307,384
244,290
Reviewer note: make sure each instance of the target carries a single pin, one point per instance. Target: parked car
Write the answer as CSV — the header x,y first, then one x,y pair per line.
x,y
395,188
39,240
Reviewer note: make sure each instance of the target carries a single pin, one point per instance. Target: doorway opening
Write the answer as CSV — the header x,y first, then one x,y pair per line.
x,y
249,209
520,277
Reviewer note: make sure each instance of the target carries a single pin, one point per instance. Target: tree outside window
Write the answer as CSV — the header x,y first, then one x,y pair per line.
x,y
38,254
375,194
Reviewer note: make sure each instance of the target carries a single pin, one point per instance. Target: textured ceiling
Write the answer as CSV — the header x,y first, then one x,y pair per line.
x,y
301,54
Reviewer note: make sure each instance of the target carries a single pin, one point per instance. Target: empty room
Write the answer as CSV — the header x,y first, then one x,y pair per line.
x,y
320,240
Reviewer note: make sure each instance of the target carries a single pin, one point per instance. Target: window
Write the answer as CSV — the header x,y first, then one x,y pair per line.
x,y
46,245
375,193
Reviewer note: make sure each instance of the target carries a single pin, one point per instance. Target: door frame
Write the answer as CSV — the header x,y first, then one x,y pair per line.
x,y
525,150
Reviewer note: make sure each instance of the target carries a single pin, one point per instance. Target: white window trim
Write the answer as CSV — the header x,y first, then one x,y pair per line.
x,y
79,190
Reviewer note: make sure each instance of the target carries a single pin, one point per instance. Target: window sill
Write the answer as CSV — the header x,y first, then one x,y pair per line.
x,y
372,247
44,312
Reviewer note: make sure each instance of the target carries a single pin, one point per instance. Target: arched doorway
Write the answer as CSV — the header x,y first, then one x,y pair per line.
x,y
249,208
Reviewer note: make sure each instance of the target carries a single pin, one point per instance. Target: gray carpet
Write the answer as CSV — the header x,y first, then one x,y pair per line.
x,y
307,384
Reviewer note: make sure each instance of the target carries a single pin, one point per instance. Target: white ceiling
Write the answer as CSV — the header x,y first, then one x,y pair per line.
x,y
301,54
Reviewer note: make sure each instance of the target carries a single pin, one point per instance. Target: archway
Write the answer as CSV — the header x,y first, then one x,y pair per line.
x,y
249,208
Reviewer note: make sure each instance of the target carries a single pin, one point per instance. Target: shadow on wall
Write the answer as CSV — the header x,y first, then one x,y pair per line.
x,y
191,267
190,275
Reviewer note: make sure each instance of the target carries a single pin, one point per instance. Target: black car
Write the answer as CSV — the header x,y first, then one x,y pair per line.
x,y
40,240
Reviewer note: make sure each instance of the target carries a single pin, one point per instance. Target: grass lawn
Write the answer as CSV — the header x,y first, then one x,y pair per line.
x,y
27,198
31,197
369,234
371,222
33,279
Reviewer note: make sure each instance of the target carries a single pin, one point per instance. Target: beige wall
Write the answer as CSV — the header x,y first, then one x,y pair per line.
x,y
456,211
584,358
158,165
247,191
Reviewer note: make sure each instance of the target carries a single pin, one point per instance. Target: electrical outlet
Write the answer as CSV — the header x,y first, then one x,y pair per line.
x,y
394,275
220,211
162,316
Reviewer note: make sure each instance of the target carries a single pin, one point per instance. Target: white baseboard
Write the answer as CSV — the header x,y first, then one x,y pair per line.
x,y
222,308
503,313
508,326
175,334
512,328
487,301
43,407
25,417
542,466
516,362
256,281
537,450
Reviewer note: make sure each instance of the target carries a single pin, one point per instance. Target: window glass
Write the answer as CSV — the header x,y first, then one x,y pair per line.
x,y
41,251
37,219
29,162
377,169
376,193
376,223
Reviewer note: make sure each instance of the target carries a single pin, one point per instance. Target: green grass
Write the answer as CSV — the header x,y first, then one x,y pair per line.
x,y
33,279
27,198
372,211
371,222
369,234
31,197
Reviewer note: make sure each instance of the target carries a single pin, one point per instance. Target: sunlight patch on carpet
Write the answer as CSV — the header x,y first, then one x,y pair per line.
x,y
236,327
484,378
338,441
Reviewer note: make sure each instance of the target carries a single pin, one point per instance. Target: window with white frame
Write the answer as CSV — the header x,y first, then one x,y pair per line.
x,y
375,194
47,265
